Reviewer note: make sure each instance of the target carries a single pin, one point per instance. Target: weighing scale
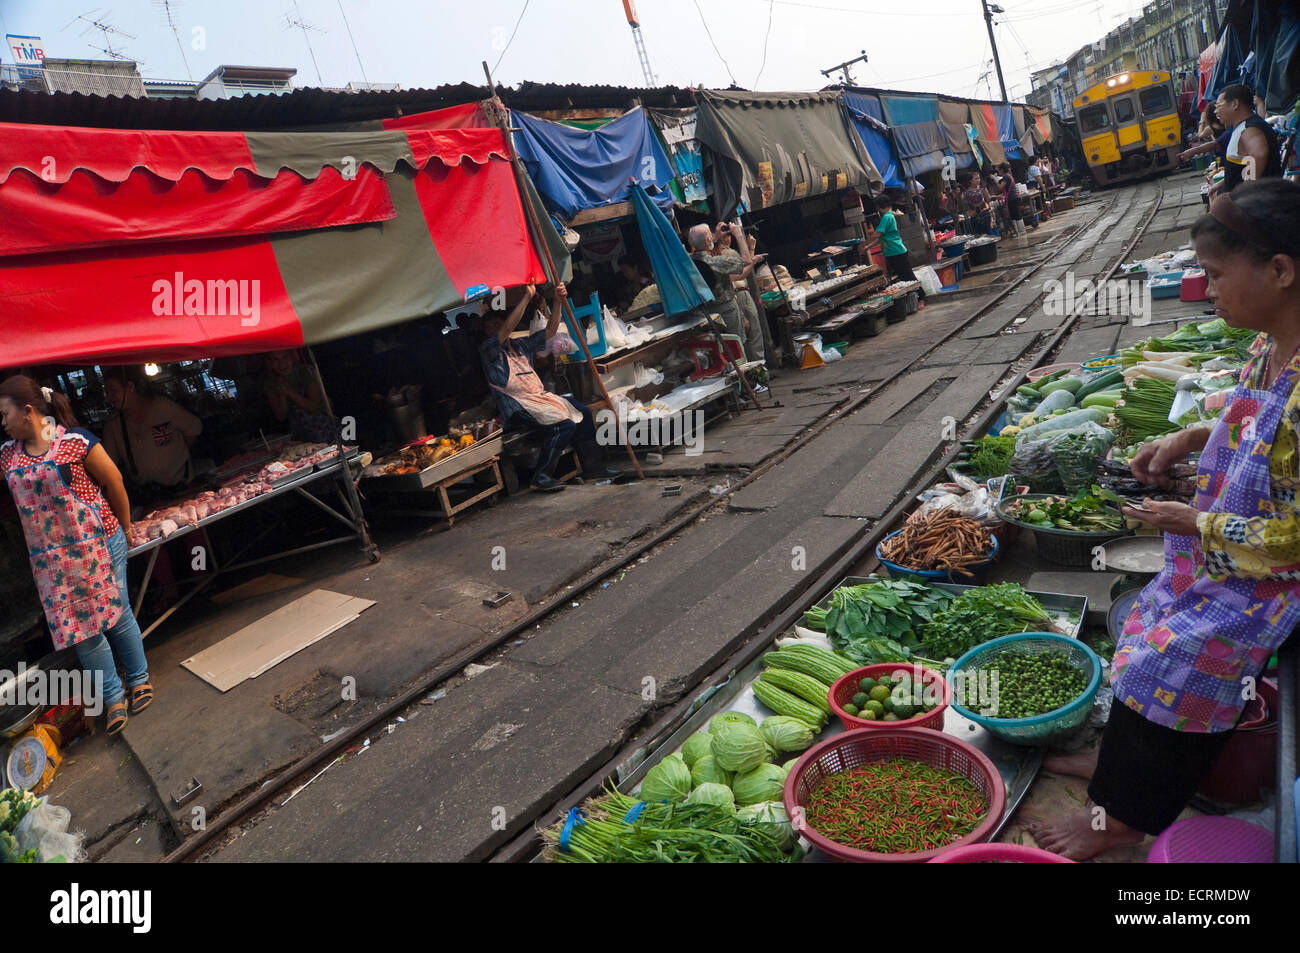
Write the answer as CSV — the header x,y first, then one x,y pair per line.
x,y
32,760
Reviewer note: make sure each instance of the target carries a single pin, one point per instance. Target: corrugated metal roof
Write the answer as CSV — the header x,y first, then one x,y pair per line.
x,y
308,106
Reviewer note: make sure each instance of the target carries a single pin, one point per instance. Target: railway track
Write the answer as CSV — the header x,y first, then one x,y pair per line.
x,y
263,798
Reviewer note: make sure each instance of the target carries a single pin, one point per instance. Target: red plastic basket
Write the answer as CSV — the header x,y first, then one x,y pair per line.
x,y
859,747
846,686
1006,853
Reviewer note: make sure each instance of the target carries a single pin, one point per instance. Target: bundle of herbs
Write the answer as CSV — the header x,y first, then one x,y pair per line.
x,y
878,621
980,615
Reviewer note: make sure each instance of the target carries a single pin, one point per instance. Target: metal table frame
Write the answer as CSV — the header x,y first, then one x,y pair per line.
x,y
349,516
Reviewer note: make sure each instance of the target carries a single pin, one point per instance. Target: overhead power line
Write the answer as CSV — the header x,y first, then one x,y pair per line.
x,y
715,44
512,35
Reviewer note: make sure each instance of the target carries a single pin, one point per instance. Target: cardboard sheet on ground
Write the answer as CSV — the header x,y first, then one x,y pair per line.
x,y
270,640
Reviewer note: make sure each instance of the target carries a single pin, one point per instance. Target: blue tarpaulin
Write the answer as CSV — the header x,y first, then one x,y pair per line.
x,y
921,141
576,169
681,286
1007,130
869,122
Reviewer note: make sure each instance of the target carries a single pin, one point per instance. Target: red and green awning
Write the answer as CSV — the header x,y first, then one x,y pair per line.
x,y
125,245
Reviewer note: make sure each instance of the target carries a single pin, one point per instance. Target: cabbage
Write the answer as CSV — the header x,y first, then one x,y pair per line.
x,y
764,783
785,733
789,765
724,719
706,771
669,780
697,745
710,793
739,747
772,815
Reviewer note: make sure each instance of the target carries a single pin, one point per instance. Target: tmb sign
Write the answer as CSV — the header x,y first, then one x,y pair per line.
x,y
28,51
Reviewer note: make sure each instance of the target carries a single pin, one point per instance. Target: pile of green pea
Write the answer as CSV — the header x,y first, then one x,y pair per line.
x,y
1034,684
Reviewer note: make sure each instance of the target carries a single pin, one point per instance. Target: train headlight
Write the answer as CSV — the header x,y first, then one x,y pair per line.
x,y
1123,77
1171,137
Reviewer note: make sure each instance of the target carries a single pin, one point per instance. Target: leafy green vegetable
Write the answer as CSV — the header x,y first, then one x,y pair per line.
x,y
764,783
877,621
784,733
669,780
980,615
725,718
738,747
991,456
696,747
1085,512
771,816
706,771
710,792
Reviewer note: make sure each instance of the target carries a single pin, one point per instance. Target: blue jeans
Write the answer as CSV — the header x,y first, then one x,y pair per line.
x,y
121,642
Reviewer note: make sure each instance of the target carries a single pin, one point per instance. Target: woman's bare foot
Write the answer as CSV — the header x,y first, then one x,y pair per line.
x,y
1082,834
1081,765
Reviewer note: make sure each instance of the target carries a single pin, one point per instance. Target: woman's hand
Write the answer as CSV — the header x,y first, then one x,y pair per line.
x,y
561,292
532,290
1153,460
1168,517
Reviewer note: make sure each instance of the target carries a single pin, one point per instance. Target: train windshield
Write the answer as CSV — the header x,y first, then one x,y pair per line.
x,y
1094,118
1156,100
1124,110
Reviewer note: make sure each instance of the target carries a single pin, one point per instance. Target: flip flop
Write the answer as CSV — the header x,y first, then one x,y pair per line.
x,y
141,698
115,718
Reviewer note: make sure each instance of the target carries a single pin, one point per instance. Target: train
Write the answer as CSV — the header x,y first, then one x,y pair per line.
x,y
1129,126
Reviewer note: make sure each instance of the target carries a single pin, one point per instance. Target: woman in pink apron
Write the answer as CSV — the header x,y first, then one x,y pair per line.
x,y
524,402
1202,632
75,516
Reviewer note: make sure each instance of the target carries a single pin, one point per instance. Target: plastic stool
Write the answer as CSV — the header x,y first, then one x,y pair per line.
x,y
1213,840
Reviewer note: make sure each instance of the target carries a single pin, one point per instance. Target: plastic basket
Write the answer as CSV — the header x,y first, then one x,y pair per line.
x,y
1041,372
1061,546
999,853
846,687
911,301
862,746
1037,729
869,325
940,575
897,311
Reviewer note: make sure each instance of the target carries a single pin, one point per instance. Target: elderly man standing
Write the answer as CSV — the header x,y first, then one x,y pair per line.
x,y
718,271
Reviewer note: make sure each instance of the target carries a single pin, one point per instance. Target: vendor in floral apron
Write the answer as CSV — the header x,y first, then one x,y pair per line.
x,y
76,517
524,402
1202,632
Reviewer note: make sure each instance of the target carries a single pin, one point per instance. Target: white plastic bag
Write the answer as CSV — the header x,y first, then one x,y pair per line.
x,y
614,336
645,375
929,280
46,828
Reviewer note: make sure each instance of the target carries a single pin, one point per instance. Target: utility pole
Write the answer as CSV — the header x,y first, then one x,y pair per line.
x,y
988,21
844,68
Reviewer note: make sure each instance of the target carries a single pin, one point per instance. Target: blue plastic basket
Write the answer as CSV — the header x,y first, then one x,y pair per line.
x,y
939,574
1038,729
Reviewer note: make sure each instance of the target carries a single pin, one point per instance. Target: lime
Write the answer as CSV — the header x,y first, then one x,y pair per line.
x,y
869,715
867,684
876,707
903,712
879,693
850,709
859,699
889,704
890,717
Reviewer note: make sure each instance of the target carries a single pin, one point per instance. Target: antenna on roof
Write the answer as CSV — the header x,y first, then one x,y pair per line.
x,y
294,21
168,8
96,20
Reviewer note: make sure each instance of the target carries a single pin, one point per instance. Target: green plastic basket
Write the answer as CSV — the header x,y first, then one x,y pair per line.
x,y
1038,729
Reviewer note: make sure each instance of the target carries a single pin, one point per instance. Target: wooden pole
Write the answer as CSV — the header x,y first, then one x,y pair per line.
x,y
552,273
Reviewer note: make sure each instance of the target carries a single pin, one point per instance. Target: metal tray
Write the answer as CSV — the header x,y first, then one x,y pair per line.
x,y
1017,764
481,452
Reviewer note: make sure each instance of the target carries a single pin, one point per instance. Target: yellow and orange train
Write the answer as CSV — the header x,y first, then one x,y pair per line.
x,y
1129,126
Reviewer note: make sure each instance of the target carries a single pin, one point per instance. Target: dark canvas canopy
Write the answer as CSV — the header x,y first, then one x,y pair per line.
x,y
770,148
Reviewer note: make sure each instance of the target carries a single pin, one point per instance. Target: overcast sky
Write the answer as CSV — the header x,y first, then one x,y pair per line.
x,y
930,45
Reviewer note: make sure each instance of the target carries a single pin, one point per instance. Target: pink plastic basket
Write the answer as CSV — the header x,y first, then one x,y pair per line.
x,y
846,686
998,853
1212,840
865,746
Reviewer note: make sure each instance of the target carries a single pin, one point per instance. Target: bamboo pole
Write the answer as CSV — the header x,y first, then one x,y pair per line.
x,y
552,273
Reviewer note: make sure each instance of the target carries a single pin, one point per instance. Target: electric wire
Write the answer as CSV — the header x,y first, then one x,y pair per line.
x,y
512,35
